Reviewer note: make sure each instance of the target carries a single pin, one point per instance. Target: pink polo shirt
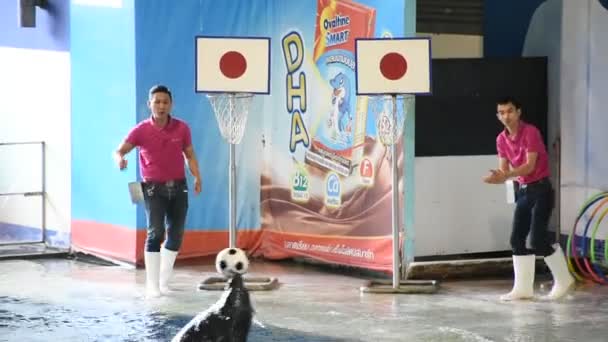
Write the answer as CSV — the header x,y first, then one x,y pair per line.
x,y
514,149
161,149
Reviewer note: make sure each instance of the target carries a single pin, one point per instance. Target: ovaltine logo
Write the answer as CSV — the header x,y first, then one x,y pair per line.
x,y
336,22
339,23
336,30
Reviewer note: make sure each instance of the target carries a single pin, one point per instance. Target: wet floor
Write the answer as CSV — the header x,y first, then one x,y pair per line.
x,y
67,300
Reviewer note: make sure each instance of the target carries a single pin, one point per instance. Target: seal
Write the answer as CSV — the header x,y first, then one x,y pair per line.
x,y
228,320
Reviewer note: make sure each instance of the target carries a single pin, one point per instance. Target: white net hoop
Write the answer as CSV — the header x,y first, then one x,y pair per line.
x,y
231,114
389,128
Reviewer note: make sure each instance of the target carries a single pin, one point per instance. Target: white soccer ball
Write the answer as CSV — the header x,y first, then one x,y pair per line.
x,y
230,261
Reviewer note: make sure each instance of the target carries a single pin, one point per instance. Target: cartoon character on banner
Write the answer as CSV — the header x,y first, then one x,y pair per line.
x,y
340,117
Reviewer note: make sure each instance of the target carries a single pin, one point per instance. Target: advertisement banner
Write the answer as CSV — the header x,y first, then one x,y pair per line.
x,y
326,180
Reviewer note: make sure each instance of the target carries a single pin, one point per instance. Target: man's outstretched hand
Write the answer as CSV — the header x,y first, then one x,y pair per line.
x,y
495,177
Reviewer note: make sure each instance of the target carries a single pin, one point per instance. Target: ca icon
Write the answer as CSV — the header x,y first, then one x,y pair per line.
x,y
333,190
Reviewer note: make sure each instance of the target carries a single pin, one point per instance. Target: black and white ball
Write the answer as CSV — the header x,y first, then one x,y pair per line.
x,y
231,261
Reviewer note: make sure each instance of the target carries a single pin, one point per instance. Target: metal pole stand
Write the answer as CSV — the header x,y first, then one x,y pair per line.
x,y
231,113
389,130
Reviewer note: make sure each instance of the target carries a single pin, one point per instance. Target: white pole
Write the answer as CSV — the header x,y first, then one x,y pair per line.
x,y
232,204
395,200
232,181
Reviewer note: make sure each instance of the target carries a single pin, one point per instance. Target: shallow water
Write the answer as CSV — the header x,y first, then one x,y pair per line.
x,y
63,300
23,320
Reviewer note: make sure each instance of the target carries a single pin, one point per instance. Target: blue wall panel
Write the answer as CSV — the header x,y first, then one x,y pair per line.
x,y
103,111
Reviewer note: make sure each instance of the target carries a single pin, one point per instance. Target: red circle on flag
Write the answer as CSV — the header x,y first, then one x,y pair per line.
x,y
393,66
233,64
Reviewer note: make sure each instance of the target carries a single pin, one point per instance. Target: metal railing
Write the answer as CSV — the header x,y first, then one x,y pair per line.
x,y
41,192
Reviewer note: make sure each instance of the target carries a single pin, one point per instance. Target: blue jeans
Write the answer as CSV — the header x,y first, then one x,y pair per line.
x,y
534,205
165,202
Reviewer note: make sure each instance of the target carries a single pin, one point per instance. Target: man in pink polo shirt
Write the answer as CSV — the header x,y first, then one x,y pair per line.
x,y
522,155
164,142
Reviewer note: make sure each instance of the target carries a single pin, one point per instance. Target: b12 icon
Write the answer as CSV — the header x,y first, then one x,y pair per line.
x,y
299,186
300,182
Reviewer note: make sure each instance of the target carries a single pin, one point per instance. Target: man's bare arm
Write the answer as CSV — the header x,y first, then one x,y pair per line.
x,y
498,176
503,164
192,162
526,168
119,155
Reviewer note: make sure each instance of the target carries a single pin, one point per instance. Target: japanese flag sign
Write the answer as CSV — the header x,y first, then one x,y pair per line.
x,y
393,66
232,65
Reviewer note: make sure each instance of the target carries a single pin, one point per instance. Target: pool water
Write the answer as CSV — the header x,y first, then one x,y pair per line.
x,y
22,320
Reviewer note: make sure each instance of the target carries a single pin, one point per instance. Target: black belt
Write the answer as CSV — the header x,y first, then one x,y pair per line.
x,y
169,183
542,181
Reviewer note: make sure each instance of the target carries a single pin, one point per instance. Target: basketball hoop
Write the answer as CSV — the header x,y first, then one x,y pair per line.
x,y
230,70
393,71
390,112
231,114
231,111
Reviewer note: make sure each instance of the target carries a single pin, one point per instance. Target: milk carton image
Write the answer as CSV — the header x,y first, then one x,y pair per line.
x,y
338,142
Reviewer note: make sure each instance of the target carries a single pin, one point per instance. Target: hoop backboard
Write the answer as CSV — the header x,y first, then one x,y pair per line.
x,y
393,66
232,64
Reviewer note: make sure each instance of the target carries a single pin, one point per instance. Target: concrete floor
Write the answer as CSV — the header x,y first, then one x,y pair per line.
x,y
68,300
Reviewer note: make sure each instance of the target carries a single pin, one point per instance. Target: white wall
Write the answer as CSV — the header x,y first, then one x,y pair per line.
x,y
572,34
35,90
583,107
543,38
455,212
20,171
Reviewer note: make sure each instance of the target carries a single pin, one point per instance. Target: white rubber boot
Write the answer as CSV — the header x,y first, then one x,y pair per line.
x,y
167,259
523,285
563,281
152,260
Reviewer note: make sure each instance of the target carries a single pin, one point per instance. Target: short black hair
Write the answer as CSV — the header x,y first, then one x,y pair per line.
x,y
159,88
509,99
